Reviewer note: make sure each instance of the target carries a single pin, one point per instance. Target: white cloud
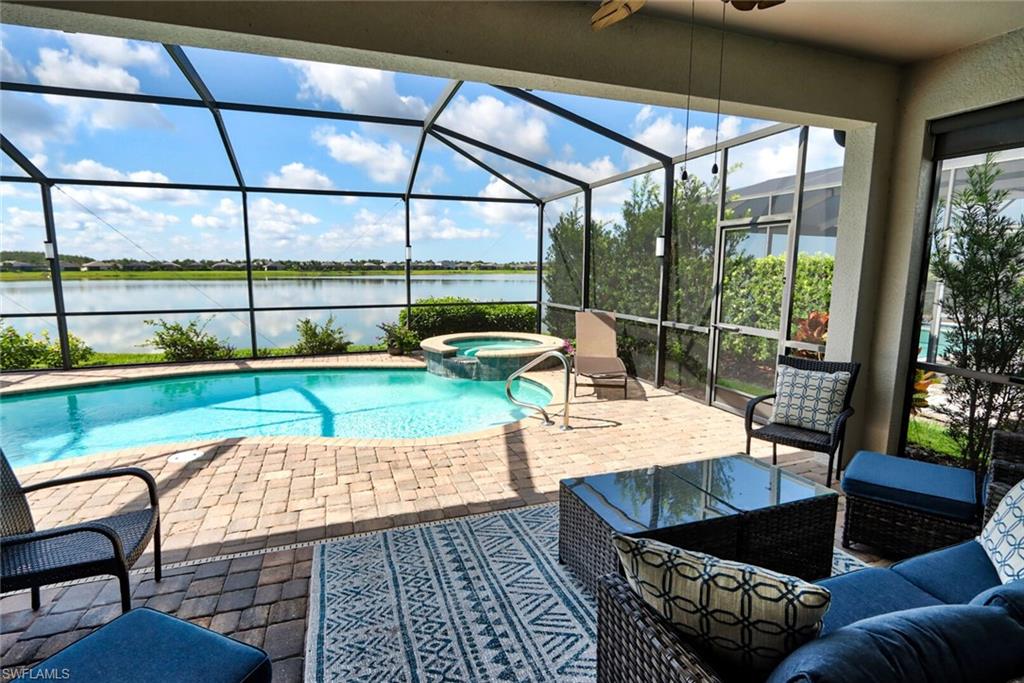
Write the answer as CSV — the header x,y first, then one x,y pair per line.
x,y
82,232
89,169
508,126
356,89
10,68
597,169
30,124
116,51
384,163
501,213
227,214
278,225
69,69
369,229
295,175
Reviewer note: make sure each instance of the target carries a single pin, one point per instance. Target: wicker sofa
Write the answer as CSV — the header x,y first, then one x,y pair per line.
x,y
635,645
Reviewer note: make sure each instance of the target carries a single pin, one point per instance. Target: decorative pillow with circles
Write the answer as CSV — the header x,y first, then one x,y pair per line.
x,y
809,399
1003,536
751,618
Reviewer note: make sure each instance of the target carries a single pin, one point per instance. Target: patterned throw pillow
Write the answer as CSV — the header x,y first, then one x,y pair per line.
x,y
1003,536
750,617
809,399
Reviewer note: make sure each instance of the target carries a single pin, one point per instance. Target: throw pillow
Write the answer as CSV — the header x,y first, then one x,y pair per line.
x,y
1009,596
809,399
748,617
1003,536
948,643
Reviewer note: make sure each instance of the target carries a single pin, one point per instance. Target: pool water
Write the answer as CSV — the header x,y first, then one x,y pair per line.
x,y
389,404
470,347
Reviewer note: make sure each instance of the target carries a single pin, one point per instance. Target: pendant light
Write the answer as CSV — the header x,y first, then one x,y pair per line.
x,y
721,67
689,88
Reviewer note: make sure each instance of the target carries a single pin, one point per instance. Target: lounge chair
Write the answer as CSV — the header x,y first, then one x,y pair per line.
x,y
597,351
31,558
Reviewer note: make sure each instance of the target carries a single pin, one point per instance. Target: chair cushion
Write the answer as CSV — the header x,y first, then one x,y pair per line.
x,y
937,489
954,575
146,645
867,593
1009,596
809,399
949,643
749,617
1003,536
599,365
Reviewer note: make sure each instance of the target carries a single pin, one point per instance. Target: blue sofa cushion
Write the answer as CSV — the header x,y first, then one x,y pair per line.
x,y
954,574
867,593
1009,596
949,643
146,645
940,490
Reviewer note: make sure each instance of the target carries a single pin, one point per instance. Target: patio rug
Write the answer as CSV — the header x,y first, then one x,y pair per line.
x,y
480,598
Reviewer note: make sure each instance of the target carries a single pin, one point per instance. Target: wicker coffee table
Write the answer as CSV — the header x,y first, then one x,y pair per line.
x,y
734,507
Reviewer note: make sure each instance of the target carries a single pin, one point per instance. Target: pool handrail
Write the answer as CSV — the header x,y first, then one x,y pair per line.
x,y
524,404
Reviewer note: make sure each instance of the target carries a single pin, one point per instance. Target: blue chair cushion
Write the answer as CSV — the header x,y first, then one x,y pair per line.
x,y
867,593
1009,596
144,645
954,575
937,489
949,643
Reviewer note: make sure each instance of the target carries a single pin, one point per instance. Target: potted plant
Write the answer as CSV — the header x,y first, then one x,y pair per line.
x,y
399,339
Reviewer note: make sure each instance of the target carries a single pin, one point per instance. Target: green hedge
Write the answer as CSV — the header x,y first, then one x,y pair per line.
x,y
462,315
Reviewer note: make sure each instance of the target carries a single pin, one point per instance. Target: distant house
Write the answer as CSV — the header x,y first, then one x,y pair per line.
x,y
223,265
169,265
20,266
98,265
271,265
135,265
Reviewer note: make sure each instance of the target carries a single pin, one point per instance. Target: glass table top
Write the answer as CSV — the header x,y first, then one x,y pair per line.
x,y
661,497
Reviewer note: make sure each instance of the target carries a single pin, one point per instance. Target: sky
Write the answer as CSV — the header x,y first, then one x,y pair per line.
x,y
107,140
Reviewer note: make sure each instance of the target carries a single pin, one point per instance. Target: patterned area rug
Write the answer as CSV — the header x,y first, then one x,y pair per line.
x,y
480,598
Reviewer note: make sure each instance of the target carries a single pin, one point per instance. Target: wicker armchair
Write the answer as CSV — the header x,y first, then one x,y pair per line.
x,y
31,558
806,439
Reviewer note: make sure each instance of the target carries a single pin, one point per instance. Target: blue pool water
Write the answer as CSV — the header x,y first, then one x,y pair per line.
x,y
53,425
469,347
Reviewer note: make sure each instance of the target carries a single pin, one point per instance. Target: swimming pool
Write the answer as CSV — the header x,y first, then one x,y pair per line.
x,y
355,403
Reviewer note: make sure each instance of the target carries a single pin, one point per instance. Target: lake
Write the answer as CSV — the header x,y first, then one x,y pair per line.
x,y
126,333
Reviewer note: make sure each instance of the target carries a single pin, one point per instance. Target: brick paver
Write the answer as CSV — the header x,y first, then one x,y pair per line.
x,y
258,494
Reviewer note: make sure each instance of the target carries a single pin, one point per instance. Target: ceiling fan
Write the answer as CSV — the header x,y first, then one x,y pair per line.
x,y
613,11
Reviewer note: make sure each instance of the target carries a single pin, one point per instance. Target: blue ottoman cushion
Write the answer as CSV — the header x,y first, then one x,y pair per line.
x,y
949,643
148,646
940,490
954,575
867,593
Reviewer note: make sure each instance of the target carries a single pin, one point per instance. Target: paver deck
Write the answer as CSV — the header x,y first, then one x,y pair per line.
x,y
261,495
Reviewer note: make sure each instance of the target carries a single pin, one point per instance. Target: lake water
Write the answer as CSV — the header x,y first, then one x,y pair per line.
x,y
126,333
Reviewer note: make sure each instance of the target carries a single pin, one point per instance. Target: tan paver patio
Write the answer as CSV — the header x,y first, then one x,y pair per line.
x,y
259,494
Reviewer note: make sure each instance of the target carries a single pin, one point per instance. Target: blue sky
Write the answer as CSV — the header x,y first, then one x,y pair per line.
x,y
72,137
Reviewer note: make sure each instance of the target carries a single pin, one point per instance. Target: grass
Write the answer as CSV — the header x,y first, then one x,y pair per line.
x,y
9,276
931,436
743,387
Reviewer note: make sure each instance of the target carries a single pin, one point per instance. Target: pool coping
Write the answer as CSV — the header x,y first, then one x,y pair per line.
x,y
546,379
545,343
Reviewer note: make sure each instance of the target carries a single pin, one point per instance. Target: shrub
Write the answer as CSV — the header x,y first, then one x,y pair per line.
x,y
319,340
399,337
187,342
23,351
462,315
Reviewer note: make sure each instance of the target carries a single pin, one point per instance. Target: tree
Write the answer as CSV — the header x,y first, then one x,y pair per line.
x,y
979,257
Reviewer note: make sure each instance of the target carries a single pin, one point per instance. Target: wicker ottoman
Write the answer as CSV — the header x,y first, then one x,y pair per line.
x,y
902,507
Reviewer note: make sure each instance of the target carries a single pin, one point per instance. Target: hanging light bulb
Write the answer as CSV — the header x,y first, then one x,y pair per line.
x,y
721,67
684,176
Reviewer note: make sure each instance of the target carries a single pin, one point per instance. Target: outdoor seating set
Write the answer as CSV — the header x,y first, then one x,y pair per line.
x,y
721,570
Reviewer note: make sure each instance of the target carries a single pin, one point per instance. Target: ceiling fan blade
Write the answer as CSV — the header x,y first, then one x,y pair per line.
x,y
766,4
744,5
613,11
